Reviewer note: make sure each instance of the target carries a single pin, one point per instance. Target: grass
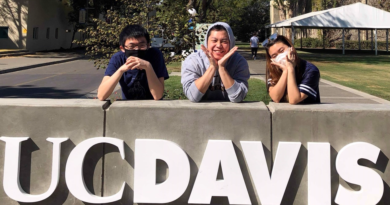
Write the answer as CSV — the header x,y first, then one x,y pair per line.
x,y
243,45
174,67
367,73
257,90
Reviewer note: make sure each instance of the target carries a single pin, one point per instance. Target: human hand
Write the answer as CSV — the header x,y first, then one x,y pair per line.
x,y
289,60
212,60
225,58
134,63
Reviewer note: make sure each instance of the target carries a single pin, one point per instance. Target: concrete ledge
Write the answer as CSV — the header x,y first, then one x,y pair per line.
x,y
43,118
338,124
190,125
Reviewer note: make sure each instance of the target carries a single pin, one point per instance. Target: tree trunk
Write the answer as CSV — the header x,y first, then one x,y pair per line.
x,y
191,4
205,5
290,15
282,13
74,32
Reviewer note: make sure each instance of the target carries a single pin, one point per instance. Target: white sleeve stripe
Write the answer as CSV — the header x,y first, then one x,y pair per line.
x,y
305,86
308,91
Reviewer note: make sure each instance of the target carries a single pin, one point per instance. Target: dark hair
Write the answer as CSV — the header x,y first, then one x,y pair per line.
x,y
133,31
216,28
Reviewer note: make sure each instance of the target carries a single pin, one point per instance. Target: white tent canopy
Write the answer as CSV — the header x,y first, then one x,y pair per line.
x,y
354,16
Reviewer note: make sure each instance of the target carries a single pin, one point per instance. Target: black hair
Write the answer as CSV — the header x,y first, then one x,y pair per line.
x,y
133,31
216,28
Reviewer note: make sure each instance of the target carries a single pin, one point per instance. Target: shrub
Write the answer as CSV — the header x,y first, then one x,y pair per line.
x,y
365,45
309,43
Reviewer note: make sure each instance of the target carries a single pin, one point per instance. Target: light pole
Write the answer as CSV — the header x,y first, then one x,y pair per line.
x,y
193,14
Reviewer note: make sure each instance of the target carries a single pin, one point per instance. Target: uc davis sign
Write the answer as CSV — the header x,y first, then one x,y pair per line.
x,y
218,152
196,130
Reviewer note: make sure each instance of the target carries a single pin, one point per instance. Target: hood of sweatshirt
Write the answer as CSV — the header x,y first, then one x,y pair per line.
x,y
229,31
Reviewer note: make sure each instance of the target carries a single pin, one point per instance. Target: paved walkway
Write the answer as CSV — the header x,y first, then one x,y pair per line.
x,y
12,64
330,92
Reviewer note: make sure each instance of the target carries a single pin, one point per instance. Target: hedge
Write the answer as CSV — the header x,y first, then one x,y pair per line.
x,y
364,45
310,43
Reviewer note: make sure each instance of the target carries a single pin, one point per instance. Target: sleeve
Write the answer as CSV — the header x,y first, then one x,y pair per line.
x,y
159,65
189,74
309,84
112,66
238,91
269,81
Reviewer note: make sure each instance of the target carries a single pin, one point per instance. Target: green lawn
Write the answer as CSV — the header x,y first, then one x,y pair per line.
x,y
257,90
367,73
243,45
174,67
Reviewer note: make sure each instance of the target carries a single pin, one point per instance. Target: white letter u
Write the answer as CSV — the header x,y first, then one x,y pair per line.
x,y
11,181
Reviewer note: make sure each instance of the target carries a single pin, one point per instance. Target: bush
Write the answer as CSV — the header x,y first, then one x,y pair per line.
x,y
365,45
309,43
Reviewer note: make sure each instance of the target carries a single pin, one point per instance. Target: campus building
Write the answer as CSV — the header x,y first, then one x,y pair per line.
x,y
35,25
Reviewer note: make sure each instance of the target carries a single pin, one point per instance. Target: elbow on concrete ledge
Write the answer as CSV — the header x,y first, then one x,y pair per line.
x,y
101,98
157,98
193,100
236,100
293,102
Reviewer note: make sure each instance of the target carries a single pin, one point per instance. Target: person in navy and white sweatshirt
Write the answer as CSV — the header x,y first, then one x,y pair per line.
x,y
289,78
217,72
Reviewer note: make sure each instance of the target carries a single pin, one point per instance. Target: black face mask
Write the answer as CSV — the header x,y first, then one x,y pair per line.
x,y
136,53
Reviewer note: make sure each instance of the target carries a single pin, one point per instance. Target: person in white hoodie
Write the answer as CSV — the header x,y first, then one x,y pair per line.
x,y
217,72
254,43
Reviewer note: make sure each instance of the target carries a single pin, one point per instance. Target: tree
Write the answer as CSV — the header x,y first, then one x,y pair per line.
x,y
173,19
92,7
291,8
211,11
155,16
255,17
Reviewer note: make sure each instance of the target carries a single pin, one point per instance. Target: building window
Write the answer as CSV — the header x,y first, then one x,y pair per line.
x,y
56,34
48,33
3,32
35,33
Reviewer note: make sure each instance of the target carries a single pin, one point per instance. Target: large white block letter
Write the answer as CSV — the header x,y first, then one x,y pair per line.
x,y
147,151
270,189
206,184
319,180
11,181
348,168
74,171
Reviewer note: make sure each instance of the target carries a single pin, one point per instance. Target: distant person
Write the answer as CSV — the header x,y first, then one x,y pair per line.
x,y
216,72
289,78
254,42
139,69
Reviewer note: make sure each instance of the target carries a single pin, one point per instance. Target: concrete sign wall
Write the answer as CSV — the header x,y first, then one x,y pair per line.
x,y
178,152
40,119
339,125
190,126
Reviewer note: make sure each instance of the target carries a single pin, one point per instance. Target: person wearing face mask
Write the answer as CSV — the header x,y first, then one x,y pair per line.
x,y
217,72
289,78
139,69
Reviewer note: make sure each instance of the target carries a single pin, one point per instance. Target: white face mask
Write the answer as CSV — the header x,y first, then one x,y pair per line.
x,y
281,58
